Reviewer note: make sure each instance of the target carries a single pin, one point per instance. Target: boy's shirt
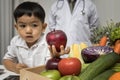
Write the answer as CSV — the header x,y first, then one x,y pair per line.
x,y
37,55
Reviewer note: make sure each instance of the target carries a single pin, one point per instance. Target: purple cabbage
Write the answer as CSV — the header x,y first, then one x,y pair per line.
x,y
91,53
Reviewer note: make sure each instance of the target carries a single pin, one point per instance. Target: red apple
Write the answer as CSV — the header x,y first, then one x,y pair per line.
x,y
69,66
57,38
52,63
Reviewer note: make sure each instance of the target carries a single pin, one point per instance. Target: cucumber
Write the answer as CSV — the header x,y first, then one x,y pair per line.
x,y
116,67
100,65
105,75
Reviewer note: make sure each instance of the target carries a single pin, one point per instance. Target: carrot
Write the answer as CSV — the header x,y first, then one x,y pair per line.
x,y
117,42
103,41
115,76
117,48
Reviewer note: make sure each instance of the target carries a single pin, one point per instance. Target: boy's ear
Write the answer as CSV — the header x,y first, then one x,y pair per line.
x,y
15,25
44,27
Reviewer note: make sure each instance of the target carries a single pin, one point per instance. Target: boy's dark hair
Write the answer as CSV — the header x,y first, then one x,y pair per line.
x,y
30,8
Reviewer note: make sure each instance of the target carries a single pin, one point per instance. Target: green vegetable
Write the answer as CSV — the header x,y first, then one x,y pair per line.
x,y
115,35
105,75
98,66
84,66
116,67
69,77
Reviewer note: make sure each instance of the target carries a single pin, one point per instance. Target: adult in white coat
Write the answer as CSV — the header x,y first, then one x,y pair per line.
x,y
78,23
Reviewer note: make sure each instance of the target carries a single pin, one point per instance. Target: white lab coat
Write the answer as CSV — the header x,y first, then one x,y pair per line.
x,y
76,26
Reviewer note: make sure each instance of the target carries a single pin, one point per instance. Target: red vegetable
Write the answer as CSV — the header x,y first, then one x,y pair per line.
x,y
69,66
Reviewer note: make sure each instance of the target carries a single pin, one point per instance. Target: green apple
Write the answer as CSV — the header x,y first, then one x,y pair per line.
x,y
52,74
69,77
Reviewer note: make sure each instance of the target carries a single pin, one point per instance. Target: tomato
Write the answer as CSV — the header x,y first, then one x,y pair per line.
x,y
69,66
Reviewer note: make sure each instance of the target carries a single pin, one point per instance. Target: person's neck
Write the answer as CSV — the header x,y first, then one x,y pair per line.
x,y
30,44
72,1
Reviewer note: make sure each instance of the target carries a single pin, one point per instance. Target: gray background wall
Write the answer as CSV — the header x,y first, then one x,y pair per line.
x,y
108,9
6,22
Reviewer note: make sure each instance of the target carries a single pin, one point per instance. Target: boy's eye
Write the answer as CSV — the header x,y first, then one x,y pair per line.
x,y
22,25
34,25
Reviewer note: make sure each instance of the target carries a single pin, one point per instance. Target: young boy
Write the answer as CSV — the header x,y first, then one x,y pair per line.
x,y
28,48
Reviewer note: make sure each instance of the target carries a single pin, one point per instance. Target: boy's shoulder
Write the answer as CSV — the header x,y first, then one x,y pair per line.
x,y
17,40
16,37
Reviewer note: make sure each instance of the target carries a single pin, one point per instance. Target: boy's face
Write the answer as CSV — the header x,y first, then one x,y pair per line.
x,y
30,28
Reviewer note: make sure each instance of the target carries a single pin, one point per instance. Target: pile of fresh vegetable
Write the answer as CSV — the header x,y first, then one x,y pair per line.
x,y
102,62
97,62
104,67
111,31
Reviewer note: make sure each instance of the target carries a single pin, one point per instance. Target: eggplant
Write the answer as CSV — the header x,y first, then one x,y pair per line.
x,y
91,53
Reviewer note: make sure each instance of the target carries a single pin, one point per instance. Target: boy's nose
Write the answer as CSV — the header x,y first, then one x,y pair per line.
x,y
28,30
